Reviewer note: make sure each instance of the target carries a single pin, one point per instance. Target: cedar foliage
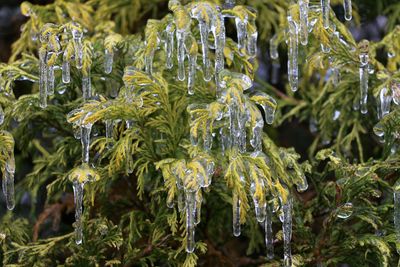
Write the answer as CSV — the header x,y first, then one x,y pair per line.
x,y
126,220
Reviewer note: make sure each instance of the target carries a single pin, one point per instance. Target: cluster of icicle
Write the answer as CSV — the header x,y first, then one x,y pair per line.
x,y
50,50
72,41
190,178
8,169
239,122
299,30
178,36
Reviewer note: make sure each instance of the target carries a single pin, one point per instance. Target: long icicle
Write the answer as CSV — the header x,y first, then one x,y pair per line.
x,y
287,233
236,215
293,67
169,45
78,199
180,38
364,76
269,236
43,78
190,212
8,181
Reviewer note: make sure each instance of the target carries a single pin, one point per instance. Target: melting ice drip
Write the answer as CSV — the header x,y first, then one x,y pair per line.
x,y
210,18
8,169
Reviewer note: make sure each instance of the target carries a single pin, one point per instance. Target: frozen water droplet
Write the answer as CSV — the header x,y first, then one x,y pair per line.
x,y
379,130
345,211
336,115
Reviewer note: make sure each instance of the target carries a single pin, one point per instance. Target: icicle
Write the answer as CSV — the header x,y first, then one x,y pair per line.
x,y
190,212
148,60
303,6
287,232
204,29
50,80
43,78
1,115
293,67
169,45
66,72
241,28
364,75
259,206
273,47
396,205
77,36
348,13
108,61
269,236
256,140
109,132
86,86
180,37
8,181
218,30
268,104
78,200
192,73
326,9
385,99
252,33
236,215
208,140
86,129
197,214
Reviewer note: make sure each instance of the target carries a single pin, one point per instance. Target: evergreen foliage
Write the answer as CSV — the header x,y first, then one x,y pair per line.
x,y
147,126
